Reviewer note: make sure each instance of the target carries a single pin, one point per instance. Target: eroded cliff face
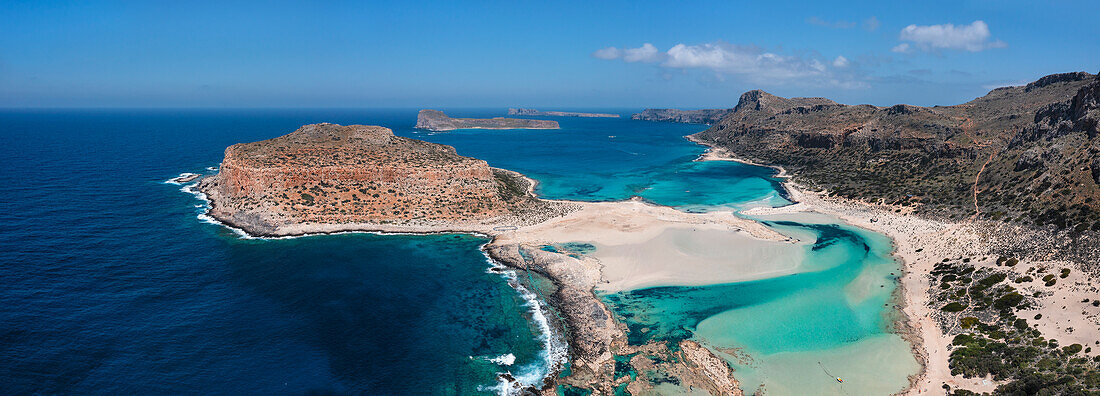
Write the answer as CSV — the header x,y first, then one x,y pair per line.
x,y
327,177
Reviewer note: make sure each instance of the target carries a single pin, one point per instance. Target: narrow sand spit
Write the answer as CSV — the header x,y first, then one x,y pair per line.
x,y
641,245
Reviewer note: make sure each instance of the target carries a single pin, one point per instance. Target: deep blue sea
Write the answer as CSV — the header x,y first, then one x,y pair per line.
x,y
113,285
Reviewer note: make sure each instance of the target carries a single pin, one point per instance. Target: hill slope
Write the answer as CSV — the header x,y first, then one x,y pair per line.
x,y
1031,150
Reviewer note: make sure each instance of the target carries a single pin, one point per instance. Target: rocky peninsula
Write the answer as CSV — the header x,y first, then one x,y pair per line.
x,y
533,112
435,120
329,178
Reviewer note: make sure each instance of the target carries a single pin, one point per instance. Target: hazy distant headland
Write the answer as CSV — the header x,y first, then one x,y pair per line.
x,y
704,116
533,112
436,120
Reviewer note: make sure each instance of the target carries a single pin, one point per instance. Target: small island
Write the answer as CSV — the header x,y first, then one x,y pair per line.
x,y
533,112
435,120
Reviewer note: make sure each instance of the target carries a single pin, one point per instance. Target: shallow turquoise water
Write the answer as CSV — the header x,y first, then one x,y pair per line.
x,y
841,300
601,159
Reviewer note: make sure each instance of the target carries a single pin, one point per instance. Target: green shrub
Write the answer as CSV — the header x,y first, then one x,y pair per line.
x,y
953,307
962,339
1072,349
1009,300
968,322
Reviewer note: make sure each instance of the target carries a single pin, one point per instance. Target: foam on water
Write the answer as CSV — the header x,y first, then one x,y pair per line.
x,y
555,352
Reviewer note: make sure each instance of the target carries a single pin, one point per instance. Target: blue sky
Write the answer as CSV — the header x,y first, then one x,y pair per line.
x,y
560,54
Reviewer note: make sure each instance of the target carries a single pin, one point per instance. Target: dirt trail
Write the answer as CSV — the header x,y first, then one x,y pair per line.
x,y
977,210
967,127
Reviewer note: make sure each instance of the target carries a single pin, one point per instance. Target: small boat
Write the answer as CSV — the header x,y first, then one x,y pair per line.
x,y
839,380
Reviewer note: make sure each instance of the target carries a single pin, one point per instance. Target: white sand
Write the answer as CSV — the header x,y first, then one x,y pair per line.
x,y
641,245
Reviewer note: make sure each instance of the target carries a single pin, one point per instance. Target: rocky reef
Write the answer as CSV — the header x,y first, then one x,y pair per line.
x,y
328,178
704,116
533,112
435,120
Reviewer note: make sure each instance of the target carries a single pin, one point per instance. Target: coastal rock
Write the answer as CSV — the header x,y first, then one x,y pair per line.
x,y
435,120
533,112
327,177
717,376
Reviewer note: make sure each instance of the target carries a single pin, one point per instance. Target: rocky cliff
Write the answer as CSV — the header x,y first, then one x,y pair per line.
x,y
1025,154
705,116
327,177
436,120
533,112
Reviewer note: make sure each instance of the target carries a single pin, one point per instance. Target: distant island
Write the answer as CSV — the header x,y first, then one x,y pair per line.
x,y
435,120
704,116
328,178
533,112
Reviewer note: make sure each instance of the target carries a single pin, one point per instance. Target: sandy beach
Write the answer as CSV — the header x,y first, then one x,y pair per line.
x,y
920,244
642,245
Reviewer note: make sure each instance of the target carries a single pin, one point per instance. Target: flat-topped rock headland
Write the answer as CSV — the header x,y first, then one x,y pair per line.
x,y
329,178
435,120
533,112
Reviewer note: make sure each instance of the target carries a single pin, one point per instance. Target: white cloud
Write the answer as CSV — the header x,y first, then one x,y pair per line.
x,y
902,48
739,59
745,62
646,53
973,37
608,53
871,24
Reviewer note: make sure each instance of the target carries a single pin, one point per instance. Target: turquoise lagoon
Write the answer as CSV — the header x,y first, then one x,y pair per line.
x,y
791,334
